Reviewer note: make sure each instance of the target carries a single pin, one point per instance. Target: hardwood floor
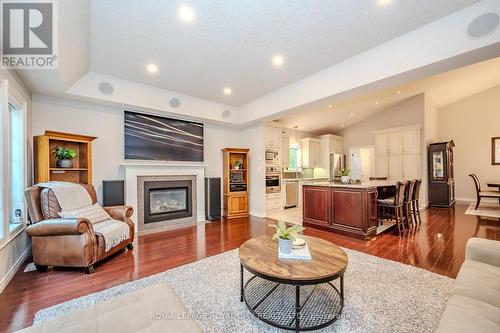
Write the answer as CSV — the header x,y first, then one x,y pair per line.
x,y
438,246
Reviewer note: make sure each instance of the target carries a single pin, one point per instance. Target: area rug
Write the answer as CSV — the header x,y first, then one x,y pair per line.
x,y
380,296
485,209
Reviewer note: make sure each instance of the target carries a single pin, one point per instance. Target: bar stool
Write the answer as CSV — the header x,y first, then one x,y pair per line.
x,y
408,202
396,203
415,207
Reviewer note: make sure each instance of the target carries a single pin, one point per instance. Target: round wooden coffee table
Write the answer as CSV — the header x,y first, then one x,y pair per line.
x,y
289,293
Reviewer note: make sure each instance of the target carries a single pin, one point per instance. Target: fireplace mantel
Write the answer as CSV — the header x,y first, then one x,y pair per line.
x,y
134,169
160,163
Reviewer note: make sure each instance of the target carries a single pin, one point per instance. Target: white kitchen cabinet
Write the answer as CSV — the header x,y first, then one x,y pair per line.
x,y
411,166
394,142
395,167
310,153
398,153
273,137
381,167
330,144
381,144
285,152
273,202
411,141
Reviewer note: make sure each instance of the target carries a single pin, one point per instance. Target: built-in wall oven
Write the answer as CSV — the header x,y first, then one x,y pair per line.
x,y
273,180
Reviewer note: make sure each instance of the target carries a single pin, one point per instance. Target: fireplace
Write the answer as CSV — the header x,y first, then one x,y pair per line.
x,y
167,200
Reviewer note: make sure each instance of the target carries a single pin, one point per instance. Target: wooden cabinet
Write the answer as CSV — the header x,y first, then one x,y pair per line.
x,y
351,211
398,153
45,167
411,141
441,174
411,166
381,166
381,144
237,204
235,182
310,153
394,142
316,205
395,167
285,152
273,137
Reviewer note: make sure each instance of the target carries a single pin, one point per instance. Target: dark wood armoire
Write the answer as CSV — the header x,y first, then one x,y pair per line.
x,y
441,174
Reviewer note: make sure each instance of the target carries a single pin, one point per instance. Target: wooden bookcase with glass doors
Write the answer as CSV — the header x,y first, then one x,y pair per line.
x,y
235,182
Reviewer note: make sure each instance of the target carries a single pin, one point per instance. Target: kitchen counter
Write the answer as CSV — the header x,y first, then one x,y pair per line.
x,y
304,179
362,185
349,209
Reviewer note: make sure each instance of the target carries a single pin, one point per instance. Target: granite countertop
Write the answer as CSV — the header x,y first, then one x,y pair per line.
x,y
304,179
365,184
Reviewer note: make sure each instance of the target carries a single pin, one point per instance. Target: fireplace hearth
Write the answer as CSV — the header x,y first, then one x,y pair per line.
x,y
167,200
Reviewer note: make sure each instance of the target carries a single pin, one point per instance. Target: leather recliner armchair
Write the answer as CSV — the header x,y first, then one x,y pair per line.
x,y
69,242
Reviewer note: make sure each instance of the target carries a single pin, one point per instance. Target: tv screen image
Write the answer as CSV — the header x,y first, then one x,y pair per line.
x,y
150,137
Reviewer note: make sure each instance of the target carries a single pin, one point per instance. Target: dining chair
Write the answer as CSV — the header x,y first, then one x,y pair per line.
x,y
483,194
408,201
396,203
415,206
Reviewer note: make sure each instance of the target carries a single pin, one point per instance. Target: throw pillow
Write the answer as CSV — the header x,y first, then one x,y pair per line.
x,y
94,213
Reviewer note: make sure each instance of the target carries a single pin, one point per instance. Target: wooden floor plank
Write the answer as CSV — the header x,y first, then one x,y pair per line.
x,y
437,245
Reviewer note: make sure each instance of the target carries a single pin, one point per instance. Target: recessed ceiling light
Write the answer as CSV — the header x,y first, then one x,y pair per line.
x,y
330,106
383,2
399,92
351,115
152,68
227,91
376,102
278,60
343,125
186,13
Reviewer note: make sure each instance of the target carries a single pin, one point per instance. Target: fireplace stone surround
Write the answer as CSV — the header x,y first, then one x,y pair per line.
x,y
137,172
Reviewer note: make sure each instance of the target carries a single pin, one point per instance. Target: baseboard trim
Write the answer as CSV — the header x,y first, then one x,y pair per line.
x,y
10,274
257,214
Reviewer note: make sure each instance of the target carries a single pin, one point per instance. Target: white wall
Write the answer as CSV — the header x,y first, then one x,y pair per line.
x,y
14,252
431,135
471,123
106,123
409,112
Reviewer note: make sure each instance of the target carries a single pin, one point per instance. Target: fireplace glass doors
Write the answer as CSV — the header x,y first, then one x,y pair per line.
x,y
167,200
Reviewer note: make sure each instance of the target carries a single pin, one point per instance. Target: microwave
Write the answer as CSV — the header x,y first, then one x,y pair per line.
x,y
272,156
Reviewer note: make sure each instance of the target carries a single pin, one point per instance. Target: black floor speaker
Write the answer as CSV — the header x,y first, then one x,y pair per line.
x,y
113,193
212,199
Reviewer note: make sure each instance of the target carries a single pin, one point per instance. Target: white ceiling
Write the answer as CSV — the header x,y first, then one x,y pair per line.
x,y
443,89
231,43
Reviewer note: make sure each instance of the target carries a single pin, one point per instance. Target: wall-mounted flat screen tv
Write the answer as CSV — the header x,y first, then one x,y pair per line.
x,y
149,137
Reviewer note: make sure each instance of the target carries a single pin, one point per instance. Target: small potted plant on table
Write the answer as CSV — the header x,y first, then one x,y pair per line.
x,y
285,235
344,175
64,157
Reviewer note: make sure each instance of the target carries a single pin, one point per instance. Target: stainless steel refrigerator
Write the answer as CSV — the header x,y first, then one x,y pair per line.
x,y
336,165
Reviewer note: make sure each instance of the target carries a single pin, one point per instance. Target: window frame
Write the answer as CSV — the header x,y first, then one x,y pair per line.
x,y
11,97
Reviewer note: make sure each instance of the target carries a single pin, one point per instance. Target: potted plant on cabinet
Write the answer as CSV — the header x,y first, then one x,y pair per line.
x,y
285,235
238,165
344,175
64,157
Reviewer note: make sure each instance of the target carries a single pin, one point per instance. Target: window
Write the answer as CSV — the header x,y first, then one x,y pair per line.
x,y
292,159
16,167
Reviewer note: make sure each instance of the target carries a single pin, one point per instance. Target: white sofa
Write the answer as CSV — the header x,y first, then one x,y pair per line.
x,y
475,302
154,309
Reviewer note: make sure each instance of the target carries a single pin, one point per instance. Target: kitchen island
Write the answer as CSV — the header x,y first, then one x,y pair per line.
x,y
349,209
